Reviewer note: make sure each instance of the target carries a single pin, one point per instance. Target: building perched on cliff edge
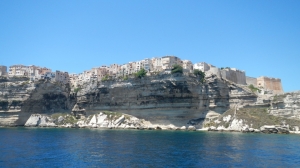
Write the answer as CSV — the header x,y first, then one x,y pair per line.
x,y
169,61
18,70
208,69
62,77
156,65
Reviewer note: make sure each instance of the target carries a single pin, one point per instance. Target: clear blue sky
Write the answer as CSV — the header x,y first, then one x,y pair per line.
x,y
260,37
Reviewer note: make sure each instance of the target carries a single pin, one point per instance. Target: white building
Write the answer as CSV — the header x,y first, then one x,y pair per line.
x,y
40,72
138,66
33,72
208,69
146,64
125,69
57,76
156,65
143,64
114,70
49,75
18,70
131,67
87,76
202,66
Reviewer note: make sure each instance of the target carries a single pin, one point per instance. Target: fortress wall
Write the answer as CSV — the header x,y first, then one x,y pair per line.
x,y
250,80
270,84
225,75
214,70
241,77
235,76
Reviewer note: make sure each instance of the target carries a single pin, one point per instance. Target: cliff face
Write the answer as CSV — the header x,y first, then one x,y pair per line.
x,y
19,98
286,105
167,99
280,111
13,93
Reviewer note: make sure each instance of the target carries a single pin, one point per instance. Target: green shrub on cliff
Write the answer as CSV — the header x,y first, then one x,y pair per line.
x,y
141,73
125,78
200,74
25,83
77,89
177,69
253,89
105,78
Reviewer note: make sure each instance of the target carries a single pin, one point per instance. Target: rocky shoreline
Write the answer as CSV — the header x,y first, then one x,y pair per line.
x,y
163,128
113,120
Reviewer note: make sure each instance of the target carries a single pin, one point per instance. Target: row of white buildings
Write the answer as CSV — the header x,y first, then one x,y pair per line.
x,y
154,65
34,73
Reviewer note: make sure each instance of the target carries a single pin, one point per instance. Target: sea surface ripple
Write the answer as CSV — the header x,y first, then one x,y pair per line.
x,y
59,147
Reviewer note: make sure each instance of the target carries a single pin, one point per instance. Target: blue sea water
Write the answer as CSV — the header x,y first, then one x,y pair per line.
x,y
58,147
